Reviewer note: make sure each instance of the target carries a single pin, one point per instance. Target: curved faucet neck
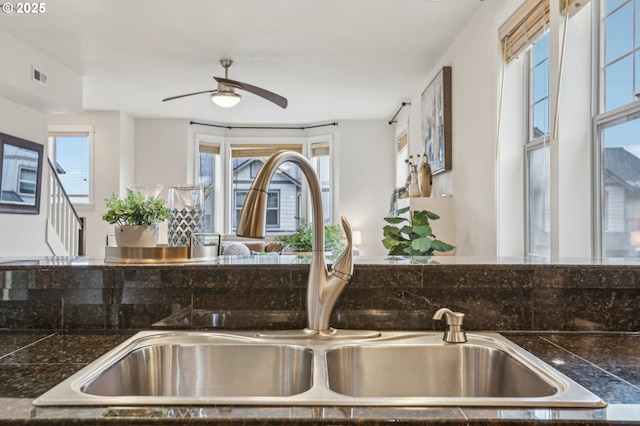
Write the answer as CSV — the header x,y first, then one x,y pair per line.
x,y
323,288
247,223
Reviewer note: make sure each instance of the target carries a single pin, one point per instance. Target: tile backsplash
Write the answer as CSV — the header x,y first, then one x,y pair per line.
x,y
380,296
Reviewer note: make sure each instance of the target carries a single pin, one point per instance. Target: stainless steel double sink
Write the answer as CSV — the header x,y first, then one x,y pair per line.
x,y
394,369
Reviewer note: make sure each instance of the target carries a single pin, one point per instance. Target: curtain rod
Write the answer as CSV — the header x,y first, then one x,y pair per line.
x,y
402,105
263,127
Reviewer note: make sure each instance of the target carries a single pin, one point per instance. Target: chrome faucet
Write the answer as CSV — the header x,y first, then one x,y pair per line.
x,y
454,333
323,287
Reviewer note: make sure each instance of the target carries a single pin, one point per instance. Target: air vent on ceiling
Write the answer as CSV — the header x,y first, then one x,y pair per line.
x,y
39,76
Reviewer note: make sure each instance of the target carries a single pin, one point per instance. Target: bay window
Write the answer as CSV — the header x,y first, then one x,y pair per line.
x,y
231,166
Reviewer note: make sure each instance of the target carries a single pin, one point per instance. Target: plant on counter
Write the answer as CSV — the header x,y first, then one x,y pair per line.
x,y
415,238
301,240
135,209
136,218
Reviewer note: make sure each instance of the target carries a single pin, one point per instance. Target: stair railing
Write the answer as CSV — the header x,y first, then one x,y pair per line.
x,y
63,218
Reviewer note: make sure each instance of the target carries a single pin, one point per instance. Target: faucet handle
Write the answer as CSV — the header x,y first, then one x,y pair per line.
x,y
455,333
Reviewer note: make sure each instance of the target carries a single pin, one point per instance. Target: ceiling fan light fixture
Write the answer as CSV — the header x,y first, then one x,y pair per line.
x,y
225,99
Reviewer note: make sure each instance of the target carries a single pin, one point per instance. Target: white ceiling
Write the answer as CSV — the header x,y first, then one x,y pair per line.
x,y
332,59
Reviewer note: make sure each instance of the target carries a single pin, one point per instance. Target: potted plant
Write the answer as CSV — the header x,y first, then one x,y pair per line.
x,y
136,218
415,238
300,242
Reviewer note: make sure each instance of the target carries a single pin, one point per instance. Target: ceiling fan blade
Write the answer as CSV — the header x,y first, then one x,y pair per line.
x,y
270,96
189,94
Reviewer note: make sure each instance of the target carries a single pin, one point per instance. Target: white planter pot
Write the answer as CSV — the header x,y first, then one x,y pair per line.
x,y
136,235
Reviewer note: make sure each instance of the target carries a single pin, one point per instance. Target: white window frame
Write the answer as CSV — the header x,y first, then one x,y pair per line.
x,y
76,128
205,145
22,181
223,211
402,155
602,120
322,141
532,143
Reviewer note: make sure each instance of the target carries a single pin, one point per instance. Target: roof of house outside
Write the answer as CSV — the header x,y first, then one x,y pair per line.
x,y
624,165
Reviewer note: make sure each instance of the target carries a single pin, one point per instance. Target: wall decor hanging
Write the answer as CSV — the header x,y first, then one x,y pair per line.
x,y
20,175
436,121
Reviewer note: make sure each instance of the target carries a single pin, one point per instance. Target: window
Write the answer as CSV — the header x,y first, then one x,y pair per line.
x,y
537,151
208,163
621,53
229,169
27,181
273,208
71,154
620,186
284,202
321,160
402,154
617,130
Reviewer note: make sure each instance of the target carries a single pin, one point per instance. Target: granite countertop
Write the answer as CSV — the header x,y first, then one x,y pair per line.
x,y
608,364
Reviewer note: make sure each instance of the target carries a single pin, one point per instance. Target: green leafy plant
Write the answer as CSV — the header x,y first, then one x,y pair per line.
x,y
301,240
415,237
135,209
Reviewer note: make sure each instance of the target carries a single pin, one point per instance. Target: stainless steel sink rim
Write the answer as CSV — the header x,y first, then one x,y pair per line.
x,y
69,392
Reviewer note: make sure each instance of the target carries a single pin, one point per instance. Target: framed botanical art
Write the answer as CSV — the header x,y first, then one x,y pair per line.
x,y
436,121
20,175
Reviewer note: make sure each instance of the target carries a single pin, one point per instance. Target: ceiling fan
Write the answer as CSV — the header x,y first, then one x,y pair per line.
x,y
225,95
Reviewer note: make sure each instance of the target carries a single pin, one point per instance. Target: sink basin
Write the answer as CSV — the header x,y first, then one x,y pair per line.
x,y
206,370
395,369
449,371
188,367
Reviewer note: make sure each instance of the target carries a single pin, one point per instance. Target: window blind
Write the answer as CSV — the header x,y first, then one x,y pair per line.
x,y
209,148
68,134
320,149
402,142
265,150
524,27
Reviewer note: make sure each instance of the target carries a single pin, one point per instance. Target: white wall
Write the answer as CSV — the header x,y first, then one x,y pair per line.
x,y
474,59
63,91
366,153
127,150
574,142
164,155
162,152
24,234
510,180
112,141
23,107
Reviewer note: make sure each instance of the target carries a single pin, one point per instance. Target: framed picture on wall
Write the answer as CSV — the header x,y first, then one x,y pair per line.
x,y
436,121
20,175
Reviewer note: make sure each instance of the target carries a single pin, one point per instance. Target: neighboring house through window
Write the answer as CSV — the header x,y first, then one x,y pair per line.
x,y
284,208
286,195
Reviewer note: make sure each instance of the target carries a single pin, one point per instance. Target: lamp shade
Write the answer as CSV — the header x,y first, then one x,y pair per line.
x,y
356,238
225,99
